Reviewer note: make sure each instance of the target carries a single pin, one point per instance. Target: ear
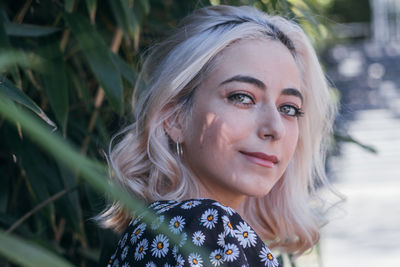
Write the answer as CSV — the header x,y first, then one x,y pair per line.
x,y
173,126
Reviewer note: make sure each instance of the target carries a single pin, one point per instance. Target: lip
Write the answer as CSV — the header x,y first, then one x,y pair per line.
x,y
260,158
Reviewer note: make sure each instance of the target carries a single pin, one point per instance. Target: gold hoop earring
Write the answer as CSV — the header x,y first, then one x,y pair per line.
x,y
179,149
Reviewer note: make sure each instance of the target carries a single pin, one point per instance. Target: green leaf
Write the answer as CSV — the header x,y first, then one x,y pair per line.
x,y
127,71
80,86
6,46
99,57
7,220
146,6
91,5
26,253
350,139
28,30
56,83
93,172
73,210
9,59
7,89
4,189
125,17
69,5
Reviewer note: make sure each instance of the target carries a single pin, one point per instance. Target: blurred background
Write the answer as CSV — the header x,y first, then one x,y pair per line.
x,y
67,69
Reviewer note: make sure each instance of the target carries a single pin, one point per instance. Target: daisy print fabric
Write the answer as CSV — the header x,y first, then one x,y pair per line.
x,y
222,237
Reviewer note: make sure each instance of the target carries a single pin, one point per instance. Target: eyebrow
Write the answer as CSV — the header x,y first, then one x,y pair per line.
x,y
294,92
246,79
261,85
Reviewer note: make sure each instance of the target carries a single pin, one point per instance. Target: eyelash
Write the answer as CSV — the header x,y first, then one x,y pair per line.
x,y
234,98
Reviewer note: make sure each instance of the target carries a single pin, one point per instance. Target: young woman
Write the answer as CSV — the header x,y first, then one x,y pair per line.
x,y
228,144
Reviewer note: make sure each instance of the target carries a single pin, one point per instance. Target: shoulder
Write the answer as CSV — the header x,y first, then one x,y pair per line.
x,y
216,234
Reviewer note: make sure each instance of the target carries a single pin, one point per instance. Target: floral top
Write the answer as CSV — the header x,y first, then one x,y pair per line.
x,y
225,238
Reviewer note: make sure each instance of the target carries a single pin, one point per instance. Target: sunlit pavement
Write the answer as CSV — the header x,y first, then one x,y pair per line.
x,y
365,229
366,232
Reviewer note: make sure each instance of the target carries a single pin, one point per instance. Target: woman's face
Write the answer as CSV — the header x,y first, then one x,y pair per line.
x,y
244,126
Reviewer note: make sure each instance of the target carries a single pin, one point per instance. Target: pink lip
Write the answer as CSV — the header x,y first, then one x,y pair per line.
x,y
262,159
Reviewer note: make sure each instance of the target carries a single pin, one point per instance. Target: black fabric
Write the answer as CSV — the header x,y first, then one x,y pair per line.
x,y
225,238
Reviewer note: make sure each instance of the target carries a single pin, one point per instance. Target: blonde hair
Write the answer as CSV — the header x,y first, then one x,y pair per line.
x,y
145,163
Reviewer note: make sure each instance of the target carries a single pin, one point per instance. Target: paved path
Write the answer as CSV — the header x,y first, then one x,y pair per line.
x,y
366,232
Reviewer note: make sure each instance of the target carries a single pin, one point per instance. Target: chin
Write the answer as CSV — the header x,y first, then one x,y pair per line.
x,y
258,193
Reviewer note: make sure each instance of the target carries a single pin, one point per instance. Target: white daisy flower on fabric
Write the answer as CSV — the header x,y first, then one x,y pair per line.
x,y
150,264
157,222
123,240
198,238
209,218
245,235
267,257
141,249
138,219
154,204
229,210
176,224
159,247
228,226
124,252
160,206
180,261
190,204
217,257
175,250
126,265
183,240
195,260
231,252
164,209
137,233
221,239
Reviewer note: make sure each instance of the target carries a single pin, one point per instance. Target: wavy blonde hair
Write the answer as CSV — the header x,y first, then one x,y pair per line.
x,y
144,160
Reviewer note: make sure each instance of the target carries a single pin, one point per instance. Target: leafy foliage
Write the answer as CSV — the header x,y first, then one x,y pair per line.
x,y
73,64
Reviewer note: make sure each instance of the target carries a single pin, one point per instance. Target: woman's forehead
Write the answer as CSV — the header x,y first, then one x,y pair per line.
x,y
262,59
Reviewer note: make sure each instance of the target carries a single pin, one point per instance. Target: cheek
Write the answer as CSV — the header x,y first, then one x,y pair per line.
x,y
291,139
218,128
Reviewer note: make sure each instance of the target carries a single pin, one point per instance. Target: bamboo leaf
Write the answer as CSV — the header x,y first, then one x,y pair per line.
x,y
146,6
56,83
350,139
7,89
127,71
26,253
93,172
91,5
4,190
6,220
81,87
28,30
69,5
99,57
6,46
126,16
72,210
120,9
9,59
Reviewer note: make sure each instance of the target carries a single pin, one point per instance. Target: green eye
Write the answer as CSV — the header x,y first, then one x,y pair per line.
x,y
241,98
291,110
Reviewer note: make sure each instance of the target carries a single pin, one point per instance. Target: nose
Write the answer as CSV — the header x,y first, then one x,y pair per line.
x,y
270,124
